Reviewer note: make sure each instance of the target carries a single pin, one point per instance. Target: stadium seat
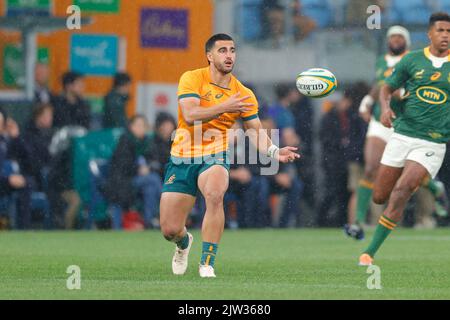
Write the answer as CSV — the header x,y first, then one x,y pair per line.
x,y
249,21
441,5
318,10
412,11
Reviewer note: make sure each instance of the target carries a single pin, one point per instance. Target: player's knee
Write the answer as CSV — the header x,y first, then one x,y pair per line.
x,y
379,197
170,232
214,198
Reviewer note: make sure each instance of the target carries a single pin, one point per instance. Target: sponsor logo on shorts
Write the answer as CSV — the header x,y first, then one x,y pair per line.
x,y
429,153
171,179
431,95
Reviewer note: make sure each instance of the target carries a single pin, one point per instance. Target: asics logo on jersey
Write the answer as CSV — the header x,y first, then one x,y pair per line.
x,y
435,76
431,95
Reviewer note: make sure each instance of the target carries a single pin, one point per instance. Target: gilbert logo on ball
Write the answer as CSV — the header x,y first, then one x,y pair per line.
x,y
316,83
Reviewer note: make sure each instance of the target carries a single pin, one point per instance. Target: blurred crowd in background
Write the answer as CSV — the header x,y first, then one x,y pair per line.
x,y
117,182
37,189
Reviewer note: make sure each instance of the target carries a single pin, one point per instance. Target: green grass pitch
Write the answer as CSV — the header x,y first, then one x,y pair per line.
x,y
254,264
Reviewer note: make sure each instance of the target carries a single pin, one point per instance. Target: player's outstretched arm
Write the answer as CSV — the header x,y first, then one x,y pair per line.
x,y
192,111
386,112
259,138
365,108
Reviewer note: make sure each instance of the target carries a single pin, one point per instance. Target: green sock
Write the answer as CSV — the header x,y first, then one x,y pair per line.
x,y
363,199
384,228
209,251
184,242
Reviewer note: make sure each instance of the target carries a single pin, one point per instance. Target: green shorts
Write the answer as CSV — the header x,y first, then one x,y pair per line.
x,y
181,174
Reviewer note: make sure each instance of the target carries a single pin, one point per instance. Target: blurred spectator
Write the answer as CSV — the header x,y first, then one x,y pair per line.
x,y
287,181
13,165
114,114
42,94
342,138
161,143
273,22
70,108
37,137
130,170
247,187
65,201
303,25
303,112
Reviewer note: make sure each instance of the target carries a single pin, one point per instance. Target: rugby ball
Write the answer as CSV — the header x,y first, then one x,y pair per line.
x,y
316,83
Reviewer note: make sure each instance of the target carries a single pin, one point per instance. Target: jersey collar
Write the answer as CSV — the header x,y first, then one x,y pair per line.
x,y
427,53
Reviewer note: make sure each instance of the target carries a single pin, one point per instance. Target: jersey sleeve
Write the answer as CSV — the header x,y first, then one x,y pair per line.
x,y
380,71
253,113
400,74
189,86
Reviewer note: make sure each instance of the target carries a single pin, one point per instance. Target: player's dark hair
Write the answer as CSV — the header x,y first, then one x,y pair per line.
x,y
121,79
38,110
438,16
163,117
70,77
137,117
217,37
282,90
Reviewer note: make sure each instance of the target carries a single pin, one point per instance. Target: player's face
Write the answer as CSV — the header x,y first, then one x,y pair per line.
x,y
223,56
397,44
439,35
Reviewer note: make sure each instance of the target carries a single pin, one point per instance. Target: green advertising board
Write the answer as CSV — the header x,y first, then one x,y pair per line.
x,y
99,6
13,65
28,4
24,7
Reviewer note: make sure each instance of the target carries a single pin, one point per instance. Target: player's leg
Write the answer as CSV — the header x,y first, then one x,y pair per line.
x,y
409,181
213,183
174,210
439,193
385,181
373,151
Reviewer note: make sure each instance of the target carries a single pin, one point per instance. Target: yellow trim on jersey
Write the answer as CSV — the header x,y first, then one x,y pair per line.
x,y
427,53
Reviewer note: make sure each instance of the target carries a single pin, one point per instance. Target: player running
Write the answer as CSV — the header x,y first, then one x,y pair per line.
x,y
417,147
377,136
210,101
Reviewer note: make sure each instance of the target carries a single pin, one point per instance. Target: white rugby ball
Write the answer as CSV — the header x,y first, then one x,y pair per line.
x,y
316,83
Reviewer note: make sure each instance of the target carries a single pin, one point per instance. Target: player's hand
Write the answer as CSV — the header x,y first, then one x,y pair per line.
x,y
236,104
17,181
243,175
386,117
287,154
12,128
365,115
284,180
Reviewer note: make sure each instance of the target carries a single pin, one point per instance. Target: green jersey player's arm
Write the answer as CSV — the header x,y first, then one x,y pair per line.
x,y
398,79
193,112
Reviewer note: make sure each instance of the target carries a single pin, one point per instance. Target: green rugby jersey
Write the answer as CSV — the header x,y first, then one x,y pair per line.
x,y
425,112
383,71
